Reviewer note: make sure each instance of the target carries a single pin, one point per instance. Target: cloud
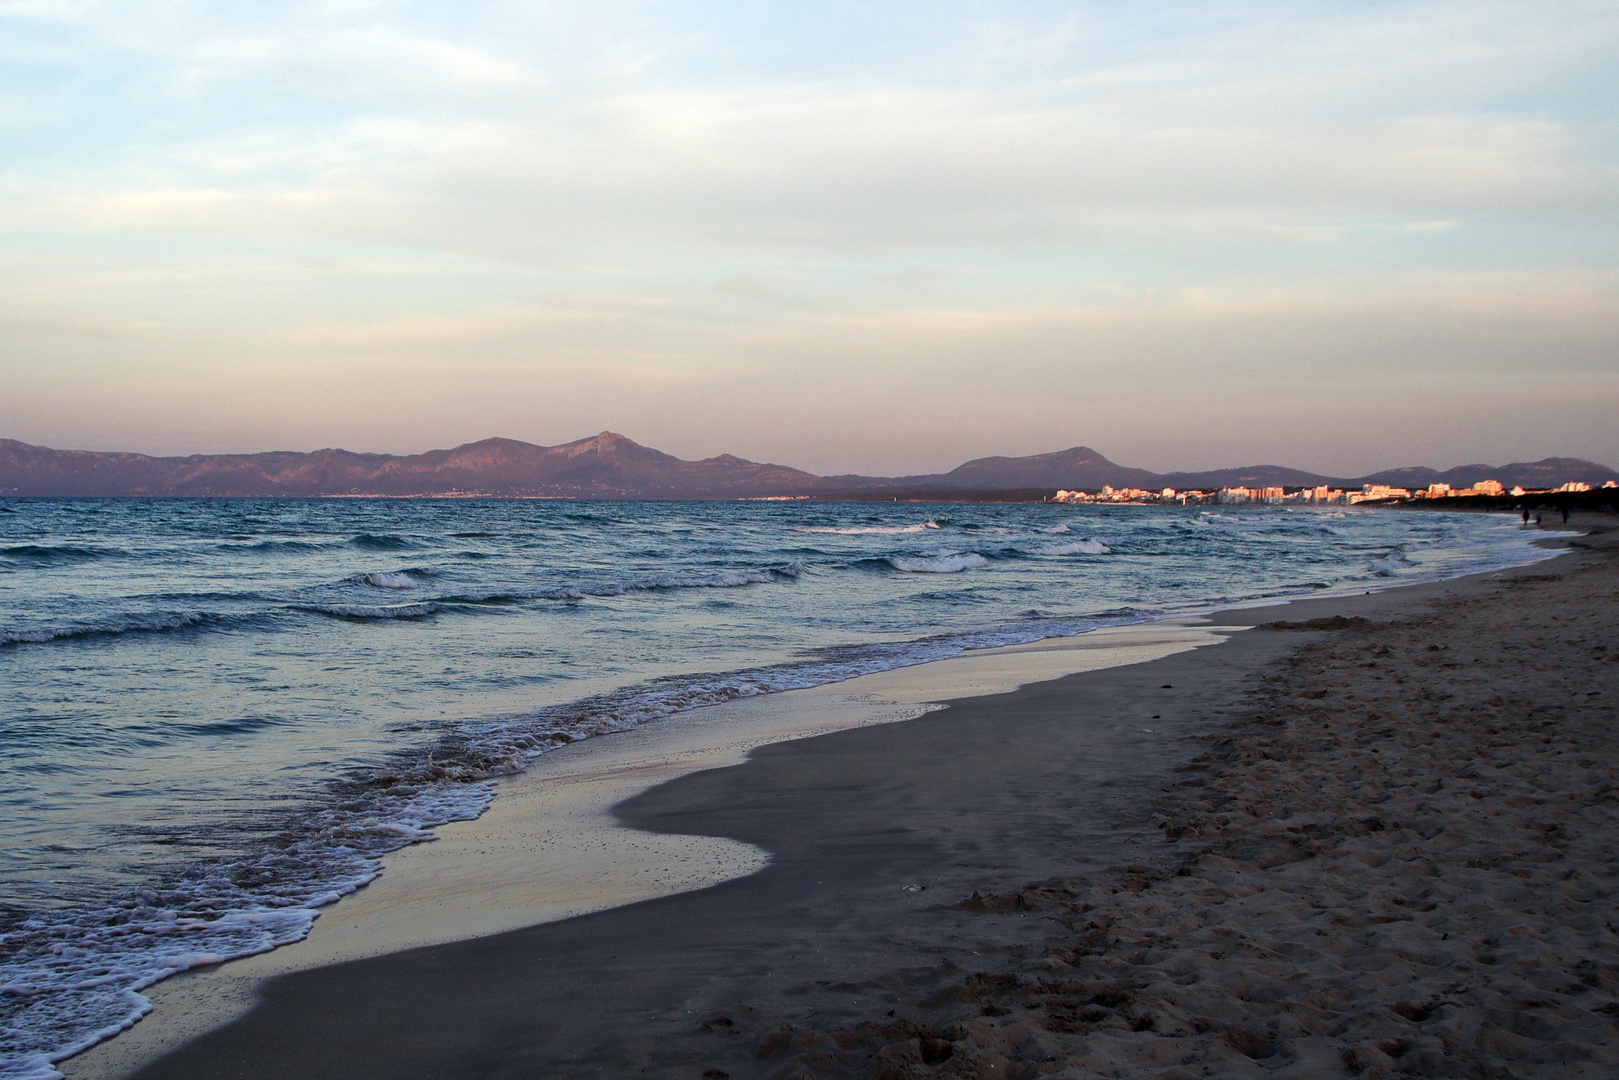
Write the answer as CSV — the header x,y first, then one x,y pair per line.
x,y
351,125
808,166
990,219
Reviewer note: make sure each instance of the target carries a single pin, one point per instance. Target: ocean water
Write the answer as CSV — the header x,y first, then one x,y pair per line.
x,y
216,715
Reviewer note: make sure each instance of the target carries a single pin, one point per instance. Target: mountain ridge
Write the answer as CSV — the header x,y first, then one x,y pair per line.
x,y
613,466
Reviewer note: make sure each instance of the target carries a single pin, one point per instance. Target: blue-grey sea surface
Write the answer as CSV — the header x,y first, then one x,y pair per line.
x,y
218,714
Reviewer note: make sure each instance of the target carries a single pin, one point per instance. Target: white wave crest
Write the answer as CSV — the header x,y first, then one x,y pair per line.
x,y
1392,563
83,968
725,579
1055,529
134,624
1075,547
368,611
878,530
399,580
938,564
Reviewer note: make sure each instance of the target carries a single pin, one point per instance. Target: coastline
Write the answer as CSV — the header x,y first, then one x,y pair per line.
x,y
550,847
1403,863
1231,673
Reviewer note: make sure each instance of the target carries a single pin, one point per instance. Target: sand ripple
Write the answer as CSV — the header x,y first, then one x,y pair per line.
x,y
1409,866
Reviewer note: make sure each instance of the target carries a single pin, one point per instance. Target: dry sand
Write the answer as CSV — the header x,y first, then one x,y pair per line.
x,y
1304,852
1406,864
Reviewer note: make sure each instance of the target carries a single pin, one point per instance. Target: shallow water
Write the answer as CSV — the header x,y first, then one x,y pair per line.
x,y
219,713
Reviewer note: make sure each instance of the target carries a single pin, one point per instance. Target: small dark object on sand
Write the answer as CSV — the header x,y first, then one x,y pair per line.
x,y
1335,622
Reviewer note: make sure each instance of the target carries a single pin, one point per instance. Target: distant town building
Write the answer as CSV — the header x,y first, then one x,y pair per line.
x,y
1571,487
1445,491
1322,494
1374,492
1111,494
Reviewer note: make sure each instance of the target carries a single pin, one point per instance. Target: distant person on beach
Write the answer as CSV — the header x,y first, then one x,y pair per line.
x,y
1565,515
1526,515
1537,519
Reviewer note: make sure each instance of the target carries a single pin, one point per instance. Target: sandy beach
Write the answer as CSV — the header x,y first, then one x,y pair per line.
x,y
552,846
1375,840
809,542
1406,865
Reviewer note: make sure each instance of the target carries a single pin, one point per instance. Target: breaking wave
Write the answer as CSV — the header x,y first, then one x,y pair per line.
x,y
1392,563
1076,547
872,530
74,975
73,972
723,579
372,613
938,564
113,627
398,579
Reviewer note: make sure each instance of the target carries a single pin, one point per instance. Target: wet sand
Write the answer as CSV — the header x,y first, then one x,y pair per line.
x,y
551,846
1404,862
861,950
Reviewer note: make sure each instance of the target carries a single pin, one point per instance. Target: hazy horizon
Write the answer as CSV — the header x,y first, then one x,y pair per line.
x,y
868,472
1338,238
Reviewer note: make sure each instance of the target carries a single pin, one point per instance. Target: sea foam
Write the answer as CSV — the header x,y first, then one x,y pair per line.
x,y
1076,547
156,623
793,618
873,530
952,563
399,579
373,612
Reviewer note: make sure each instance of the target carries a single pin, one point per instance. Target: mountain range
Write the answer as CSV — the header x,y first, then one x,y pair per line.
x,y
611,466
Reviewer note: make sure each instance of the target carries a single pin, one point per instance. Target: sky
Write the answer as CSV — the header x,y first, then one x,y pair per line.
x,y
881,238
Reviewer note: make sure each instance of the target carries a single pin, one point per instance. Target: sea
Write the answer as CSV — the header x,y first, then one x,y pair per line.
x,y
216,716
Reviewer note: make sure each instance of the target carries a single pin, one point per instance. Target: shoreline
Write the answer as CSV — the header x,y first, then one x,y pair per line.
x,y
501,876
403,910
1397,859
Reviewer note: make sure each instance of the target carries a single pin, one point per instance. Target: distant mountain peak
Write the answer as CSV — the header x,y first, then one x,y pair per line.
x,y
1078,455
613,466
1076,467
